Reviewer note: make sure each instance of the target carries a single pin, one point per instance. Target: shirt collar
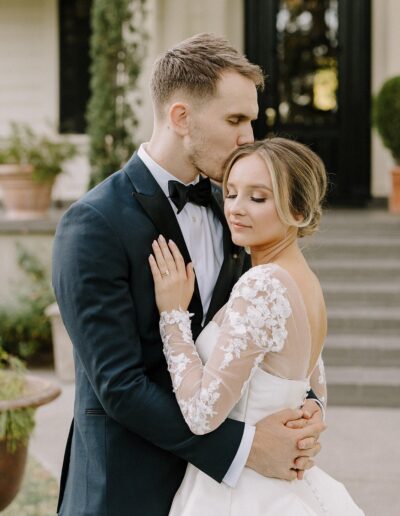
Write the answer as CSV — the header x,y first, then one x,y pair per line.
x,y
159,173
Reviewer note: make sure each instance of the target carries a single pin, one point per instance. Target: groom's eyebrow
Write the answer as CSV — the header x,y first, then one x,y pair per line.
x,y
242,117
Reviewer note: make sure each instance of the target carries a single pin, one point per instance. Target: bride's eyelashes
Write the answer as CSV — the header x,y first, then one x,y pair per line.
x,y
254,199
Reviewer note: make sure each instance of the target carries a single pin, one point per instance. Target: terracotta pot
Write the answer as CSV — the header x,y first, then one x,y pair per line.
x,y
12,465
24,198
394,198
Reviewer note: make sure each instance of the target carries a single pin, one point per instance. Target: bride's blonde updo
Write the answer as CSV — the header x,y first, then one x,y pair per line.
x,y
298,179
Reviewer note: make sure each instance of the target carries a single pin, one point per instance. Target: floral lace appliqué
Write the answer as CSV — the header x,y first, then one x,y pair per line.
x,y
253,325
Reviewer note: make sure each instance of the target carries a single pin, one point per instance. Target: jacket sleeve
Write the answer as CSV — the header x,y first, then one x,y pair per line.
x,y
91,275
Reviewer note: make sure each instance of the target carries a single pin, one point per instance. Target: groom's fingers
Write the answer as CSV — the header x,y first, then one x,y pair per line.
x,y
303,463
312,451
306,443
287,415
313,430
297,423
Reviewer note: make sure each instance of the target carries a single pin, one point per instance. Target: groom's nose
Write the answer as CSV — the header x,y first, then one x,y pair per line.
x,y
246,134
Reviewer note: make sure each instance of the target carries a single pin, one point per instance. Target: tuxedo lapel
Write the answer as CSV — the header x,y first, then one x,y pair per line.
x,y
231,266
158,208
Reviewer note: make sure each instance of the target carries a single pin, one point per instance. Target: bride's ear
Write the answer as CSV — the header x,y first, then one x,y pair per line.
x,y
299,217
179,118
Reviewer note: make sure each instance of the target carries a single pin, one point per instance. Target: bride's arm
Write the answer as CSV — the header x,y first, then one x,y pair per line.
x,y
318,382
254,323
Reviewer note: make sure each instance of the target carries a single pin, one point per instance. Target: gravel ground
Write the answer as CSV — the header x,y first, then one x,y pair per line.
x,y
38,494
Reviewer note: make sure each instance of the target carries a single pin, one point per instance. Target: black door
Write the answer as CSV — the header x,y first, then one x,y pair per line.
x,y
316,55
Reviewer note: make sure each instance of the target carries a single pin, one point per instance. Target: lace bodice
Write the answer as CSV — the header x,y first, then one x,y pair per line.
x,y
264,324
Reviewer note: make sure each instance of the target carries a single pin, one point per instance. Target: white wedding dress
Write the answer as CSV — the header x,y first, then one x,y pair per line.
x,y
256,352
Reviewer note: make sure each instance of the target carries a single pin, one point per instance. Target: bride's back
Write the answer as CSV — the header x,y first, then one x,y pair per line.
x,y
307,326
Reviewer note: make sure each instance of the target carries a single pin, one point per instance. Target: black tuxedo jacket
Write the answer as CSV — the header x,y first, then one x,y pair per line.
x,y
129,445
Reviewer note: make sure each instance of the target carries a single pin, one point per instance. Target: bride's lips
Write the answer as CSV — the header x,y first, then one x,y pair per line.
x,y
238,225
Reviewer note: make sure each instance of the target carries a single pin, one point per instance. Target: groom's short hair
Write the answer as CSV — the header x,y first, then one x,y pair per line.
x,y
195,65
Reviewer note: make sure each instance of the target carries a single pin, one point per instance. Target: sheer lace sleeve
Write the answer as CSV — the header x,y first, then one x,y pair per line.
x,y
318,381
253,325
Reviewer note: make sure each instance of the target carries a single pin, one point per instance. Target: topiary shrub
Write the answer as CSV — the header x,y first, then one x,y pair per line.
x,y
386,115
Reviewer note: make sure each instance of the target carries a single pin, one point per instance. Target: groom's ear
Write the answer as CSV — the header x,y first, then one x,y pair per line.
x,y
179,118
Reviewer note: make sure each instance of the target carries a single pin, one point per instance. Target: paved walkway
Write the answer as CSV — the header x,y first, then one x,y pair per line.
x,y
361,448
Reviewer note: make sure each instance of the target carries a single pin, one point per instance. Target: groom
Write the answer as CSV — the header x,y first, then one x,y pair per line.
x,y
129,445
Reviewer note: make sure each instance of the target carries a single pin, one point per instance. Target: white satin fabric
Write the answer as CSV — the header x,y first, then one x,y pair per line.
x,y
317,495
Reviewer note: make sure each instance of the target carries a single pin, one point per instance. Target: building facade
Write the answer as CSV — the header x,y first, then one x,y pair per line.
x,y
43,45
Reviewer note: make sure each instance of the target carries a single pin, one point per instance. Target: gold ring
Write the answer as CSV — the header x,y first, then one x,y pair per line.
x,y
166,273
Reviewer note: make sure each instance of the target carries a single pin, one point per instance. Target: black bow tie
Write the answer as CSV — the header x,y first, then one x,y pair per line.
x,y
180,194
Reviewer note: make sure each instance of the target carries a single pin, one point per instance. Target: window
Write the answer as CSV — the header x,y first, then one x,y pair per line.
x,y
74,23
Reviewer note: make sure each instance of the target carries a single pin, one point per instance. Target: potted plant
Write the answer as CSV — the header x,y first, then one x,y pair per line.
x,y
20,395
386,114
29,164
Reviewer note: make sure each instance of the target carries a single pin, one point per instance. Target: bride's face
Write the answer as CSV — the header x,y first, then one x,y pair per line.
x,y
250,205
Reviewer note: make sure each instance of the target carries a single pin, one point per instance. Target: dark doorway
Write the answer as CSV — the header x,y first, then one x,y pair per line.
x,y
316,55
74,24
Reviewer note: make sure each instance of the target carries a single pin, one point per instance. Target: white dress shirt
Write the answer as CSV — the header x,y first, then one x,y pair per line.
x,y
202,232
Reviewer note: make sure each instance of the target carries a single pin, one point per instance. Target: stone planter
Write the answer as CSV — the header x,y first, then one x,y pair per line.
x,y
62,346
24,198
394,198
12,465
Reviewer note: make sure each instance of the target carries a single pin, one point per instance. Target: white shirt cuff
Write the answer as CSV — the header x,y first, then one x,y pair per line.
x,y
233,474
321,407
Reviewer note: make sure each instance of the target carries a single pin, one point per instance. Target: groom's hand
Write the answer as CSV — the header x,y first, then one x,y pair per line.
x,y
275,451
312,413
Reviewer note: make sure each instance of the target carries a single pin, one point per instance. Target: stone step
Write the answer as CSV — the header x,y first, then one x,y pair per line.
x,y
378,321
356,255
355,248
362,351
361,225
347,230
363,386
357,271
359,218
338,294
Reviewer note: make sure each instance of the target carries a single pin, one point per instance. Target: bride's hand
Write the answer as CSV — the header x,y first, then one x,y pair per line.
x,y
173,281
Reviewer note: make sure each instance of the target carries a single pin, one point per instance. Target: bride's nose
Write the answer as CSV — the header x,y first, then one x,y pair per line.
x,y
237,206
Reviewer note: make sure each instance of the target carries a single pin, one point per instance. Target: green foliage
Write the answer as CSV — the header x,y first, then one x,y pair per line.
x,y
27,330
117,49
386,115
25,147
15,425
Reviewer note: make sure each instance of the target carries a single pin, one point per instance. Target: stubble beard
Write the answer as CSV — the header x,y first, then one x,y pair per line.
x,y
196,159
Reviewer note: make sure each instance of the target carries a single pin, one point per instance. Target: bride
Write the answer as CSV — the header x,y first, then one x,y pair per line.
x,y
262,350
